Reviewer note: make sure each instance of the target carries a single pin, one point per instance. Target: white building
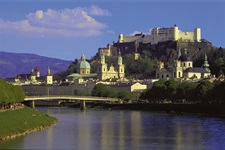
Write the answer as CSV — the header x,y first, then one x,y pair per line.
x,y
162,35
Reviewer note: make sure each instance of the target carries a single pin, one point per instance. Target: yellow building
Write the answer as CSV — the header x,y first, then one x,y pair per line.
x,y
163,34
104,73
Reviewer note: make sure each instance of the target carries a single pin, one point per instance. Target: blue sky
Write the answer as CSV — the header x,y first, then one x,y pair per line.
x,y
67,28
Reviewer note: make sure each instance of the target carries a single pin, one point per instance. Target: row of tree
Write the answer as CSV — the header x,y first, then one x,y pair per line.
x,y
171,90
102,90
10,93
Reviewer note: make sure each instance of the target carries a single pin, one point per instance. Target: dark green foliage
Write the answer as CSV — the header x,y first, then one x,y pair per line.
x,y
203,91
102,90
186,91
144,65
124,94
170,90
10,93
218,93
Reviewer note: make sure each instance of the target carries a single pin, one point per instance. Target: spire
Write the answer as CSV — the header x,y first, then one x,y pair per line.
x,y
206,64
36,69
120,59
49,71
83,57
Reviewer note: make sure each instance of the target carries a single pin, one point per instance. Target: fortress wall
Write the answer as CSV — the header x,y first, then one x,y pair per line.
x,y
186,36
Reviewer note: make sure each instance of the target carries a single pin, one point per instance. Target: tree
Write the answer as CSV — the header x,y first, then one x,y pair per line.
x,y
99,90
10,93
171,89
186,91
159,89
203,91
219,61
124,94
217,94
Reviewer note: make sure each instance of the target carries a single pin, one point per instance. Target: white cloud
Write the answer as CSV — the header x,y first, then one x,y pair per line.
x,y
96,11
68,22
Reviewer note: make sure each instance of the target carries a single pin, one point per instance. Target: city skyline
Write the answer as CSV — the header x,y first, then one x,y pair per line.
x,y
67,29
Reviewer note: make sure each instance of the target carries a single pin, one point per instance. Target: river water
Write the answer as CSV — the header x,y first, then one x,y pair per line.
x,y
124,130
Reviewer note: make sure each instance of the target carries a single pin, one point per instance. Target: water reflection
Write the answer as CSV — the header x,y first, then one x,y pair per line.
x,y
100,130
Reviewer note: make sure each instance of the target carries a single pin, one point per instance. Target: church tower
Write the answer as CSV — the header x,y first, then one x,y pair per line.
x,y
102,68
121,70
49,77
178,70
206,64
37,72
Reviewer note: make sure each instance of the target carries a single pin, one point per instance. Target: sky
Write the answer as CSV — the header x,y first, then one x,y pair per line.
x,y
66,29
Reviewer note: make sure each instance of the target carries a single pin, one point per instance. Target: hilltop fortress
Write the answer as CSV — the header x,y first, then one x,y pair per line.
x,y
162,35
128,44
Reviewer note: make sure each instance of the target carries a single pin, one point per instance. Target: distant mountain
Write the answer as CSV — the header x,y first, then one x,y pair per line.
x,y
12,64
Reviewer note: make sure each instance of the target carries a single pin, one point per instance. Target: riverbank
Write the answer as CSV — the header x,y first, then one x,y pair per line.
x,y
208,109
23,121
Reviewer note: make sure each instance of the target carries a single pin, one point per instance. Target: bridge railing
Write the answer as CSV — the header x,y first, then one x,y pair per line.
x,y
69,96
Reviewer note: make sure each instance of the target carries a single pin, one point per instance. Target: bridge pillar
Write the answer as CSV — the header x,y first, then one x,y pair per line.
x,y
82,105
32,104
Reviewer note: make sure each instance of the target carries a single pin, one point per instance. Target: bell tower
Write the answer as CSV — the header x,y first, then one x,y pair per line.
x,y
102,68
121,71
49,77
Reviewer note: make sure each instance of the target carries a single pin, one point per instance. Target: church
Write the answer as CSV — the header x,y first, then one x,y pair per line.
x,y
103,71
117,72
183,69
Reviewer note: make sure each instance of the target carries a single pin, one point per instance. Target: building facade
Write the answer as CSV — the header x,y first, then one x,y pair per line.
x,y
163,34
117,72
183,69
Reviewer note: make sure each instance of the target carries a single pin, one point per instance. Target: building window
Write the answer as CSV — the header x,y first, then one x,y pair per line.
x,y
162,76
179,74
184,64
189,64
167,76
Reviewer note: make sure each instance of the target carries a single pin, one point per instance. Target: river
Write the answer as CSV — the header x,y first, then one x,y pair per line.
x,y
123,130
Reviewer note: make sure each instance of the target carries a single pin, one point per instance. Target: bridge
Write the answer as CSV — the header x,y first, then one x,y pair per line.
x,y
83,99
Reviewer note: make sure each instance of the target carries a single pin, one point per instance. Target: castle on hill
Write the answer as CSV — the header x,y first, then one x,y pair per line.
x,y
132,44
164,34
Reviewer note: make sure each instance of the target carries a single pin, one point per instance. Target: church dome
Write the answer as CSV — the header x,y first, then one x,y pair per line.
x,y
83,64
185,56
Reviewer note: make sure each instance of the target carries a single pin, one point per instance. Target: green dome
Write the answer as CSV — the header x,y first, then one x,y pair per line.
x,y
83,64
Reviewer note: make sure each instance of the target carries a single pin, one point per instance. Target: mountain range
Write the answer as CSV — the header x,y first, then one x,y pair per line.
x,y
12,64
